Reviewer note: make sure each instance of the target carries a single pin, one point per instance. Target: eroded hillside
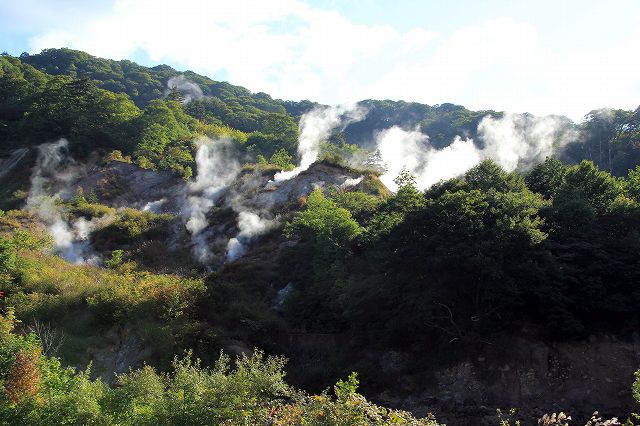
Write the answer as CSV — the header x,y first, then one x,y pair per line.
x,y
448,256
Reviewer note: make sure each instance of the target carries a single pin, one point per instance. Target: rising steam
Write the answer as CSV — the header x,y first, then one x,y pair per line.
x,y
50,181
190,90
514,141
349,182
410,150
250,226
519,141
316,126
217,167
154,206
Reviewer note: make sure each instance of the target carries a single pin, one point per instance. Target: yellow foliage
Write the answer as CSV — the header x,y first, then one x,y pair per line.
x,y
52,284
23,380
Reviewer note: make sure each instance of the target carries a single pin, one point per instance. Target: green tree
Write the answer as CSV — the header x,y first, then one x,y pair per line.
x,y
450,261
585,181
633,184
8,264
489,175
405,178
165,136
331,226
116,259
359,204
546,178
375,162
76,109
281,158
328,230
393,210
175,95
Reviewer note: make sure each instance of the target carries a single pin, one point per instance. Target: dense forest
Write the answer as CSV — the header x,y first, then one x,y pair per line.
x,y
338,276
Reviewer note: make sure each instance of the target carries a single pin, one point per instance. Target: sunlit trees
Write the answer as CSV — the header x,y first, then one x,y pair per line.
x,y
79,111
165,138
584,181
332,227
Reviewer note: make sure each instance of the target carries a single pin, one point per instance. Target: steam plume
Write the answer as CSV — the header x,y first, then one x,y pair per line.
x,y
514,141
410,150
315,126
53,174
250,226
190,90
154,206
217,167
518,141
349,182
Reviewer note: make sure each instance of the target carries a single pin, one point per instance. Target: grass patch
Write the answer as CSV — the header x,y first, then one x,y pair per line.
x,y
84,302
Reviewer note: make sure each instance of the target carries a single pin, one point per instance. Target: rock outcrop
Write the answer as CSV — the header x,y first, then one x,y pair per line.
x,y
535,377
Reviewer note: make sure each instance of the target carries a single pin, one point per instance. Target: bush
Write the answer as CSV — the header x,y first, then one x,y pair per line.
x,y
91,210
131,224
252,393
331,226
282,159
116,155
359,204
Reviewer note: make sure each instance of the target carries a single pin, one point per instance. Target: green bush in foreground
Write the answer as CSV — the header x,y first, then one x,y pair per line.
x,y
37,390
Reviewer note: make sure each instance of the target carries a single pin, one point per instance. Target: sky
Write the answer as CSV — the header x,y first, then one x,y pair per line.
x,y
543,57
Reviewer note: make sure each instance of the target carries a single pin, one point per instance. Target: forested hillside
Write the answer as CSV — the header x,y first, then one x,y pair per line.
x,y
152,217
609,136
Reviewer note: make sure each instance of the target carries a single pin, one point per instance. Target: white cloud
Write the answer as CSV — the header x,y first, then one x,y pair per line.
x,y
293,50
285,47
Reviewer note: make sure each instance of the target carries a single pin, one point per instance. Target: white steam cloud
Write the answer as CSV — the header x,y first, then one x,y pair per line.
x,y
190,90
50,180
514,141
217,167
410,150
315,126
154,206
80,250
250,226
518,141
349,182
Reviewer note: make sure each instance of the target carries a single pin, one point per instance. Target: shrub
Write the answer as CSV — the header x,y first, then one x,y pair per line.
x,y
328,224
39,391
357,203
90,210
116,155
23,381
115,260
132,224
282,159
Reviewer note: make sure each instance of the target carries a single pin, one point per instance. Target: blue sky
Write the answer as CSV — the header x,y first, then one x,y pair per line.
x,y
564,57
